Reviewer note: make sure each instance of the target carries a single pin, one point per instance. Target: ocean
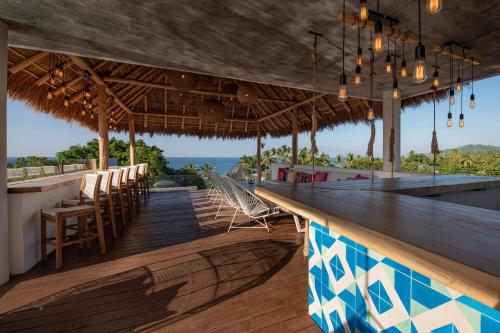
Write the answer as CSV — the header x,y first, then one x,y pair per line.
x,y
222,164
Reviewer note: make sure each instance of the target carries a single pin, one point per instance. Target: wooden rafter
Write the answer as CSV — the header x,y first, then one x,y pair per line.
x,y
27,62
83,64
290,108
170,87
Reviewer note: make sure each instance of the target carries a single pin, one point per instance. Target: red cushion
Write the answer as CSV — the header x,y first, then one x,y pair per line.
x,y
359,177
308,179
282,173
320,176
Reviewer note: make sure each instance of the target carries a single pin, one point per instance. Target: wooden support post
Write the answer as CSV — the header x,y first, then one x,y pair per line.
x,y
295,136
4,225
103,127
131,133
259,159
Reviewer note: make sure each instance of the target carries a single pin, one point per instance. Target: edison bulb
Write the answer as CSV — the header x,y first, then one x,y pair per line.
x,y
357,76
363,11
404,69
435,79
459,84
388,65
419,71
472,102
461,123
342,93
452,97
370,115
342,96
433,6
378,43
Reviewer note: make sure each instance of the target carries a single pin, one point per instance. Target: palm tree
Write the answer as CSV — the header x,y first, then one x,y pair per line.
x,y
339,160
349,160
247,164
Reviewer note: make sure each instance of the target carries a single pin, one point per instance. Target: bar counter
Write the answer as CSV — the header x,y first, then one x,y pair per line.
x,y
414,261
25,200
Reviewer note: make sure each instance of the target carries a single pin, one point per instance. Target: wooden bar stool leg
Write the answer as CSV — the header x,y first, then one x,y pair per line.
x,y
122,209
81,230
112,214
100,230
43,234
59,235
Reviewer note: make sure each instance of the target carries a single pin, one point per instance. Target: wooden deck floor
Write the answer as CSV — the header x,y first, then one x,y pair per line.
x,y
173,269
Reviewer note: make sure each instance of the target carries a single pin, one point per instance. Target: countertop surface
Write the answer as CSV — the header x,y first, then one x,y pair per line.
x,y
456,244
45,184
466,235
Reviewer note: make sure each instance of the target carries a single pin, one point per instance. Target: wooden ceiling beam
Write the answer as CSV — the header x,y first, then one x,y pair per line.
x,y
195,91
27,62
84,65
290,108
184,116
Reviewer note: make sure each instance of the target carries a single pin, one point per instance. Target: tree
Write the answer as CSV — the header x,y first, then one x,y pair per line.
x,y
153,156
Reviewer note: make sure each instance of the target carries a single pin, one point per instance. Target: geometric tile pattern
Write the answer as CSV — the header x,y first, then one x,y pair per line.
x,y
355,289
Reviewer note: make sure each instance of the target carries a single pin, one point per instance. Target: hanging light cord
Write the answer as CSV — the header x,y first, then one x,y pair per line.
x,y
419,25
343,36
472,67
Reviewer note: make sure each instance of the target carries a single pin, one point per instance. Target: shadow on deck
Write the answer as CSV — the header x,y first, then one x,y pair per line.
x,y
173,269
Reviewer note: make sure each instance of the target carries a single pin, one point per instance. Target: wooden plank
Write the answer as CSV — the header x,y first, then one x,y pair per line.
x,y
27,62
174,269
290,108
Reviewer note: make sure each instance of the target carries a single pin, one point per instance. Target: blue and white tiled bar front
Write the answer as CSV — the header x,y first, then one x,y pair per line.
x,y
355,289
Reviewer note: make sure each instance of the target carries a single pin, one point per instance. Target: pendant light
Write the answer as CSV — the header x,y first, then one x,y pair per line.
x,y
458,85
388,61
404,69
434,6
357,76
449,122
395,88
452,92
472,101
64,88
461,121
435,76
359,56
363,11
419,71
378,43
342,95
371,114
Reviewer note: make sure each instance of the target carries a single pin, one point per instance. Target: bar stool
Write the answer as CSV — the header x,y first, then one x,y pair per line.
x,y
106,199
117,193
58,216
133,186
126,190
143,180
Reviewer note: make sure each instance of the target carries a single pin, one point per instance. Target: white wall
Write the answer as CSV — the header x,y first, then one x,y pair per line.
x,y
24,224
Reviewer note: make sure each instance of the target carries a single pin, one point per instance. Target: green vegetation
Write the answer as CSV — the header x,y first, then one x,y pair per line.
x,y
283,154
478,160
119,149
482,163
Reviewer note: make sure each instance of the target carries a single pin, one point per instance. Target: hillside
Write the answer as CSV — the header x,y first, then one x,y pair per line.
x,y
474,149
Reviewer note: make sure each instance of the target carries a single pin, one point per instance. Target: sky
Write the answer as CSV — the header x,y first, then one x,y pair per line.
x,y
34,133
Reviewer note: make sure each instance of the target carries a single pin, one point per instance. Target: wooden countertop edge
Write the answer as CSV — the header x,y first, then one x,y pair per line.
x,y
42,188
442,189
462,278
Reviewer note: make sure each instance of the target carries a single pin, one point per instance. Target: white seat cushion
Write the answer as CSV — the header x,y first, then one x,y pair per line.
x,y
76,202
67,210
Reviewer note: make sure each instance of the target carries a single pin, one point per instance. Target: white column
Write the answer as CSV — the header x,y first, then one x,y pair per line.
x,y
4,225
103,128
388,116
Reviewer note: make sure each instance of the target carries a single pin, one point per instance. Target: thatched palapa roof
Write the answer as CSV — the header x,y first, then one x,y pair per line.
x,y
152,97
